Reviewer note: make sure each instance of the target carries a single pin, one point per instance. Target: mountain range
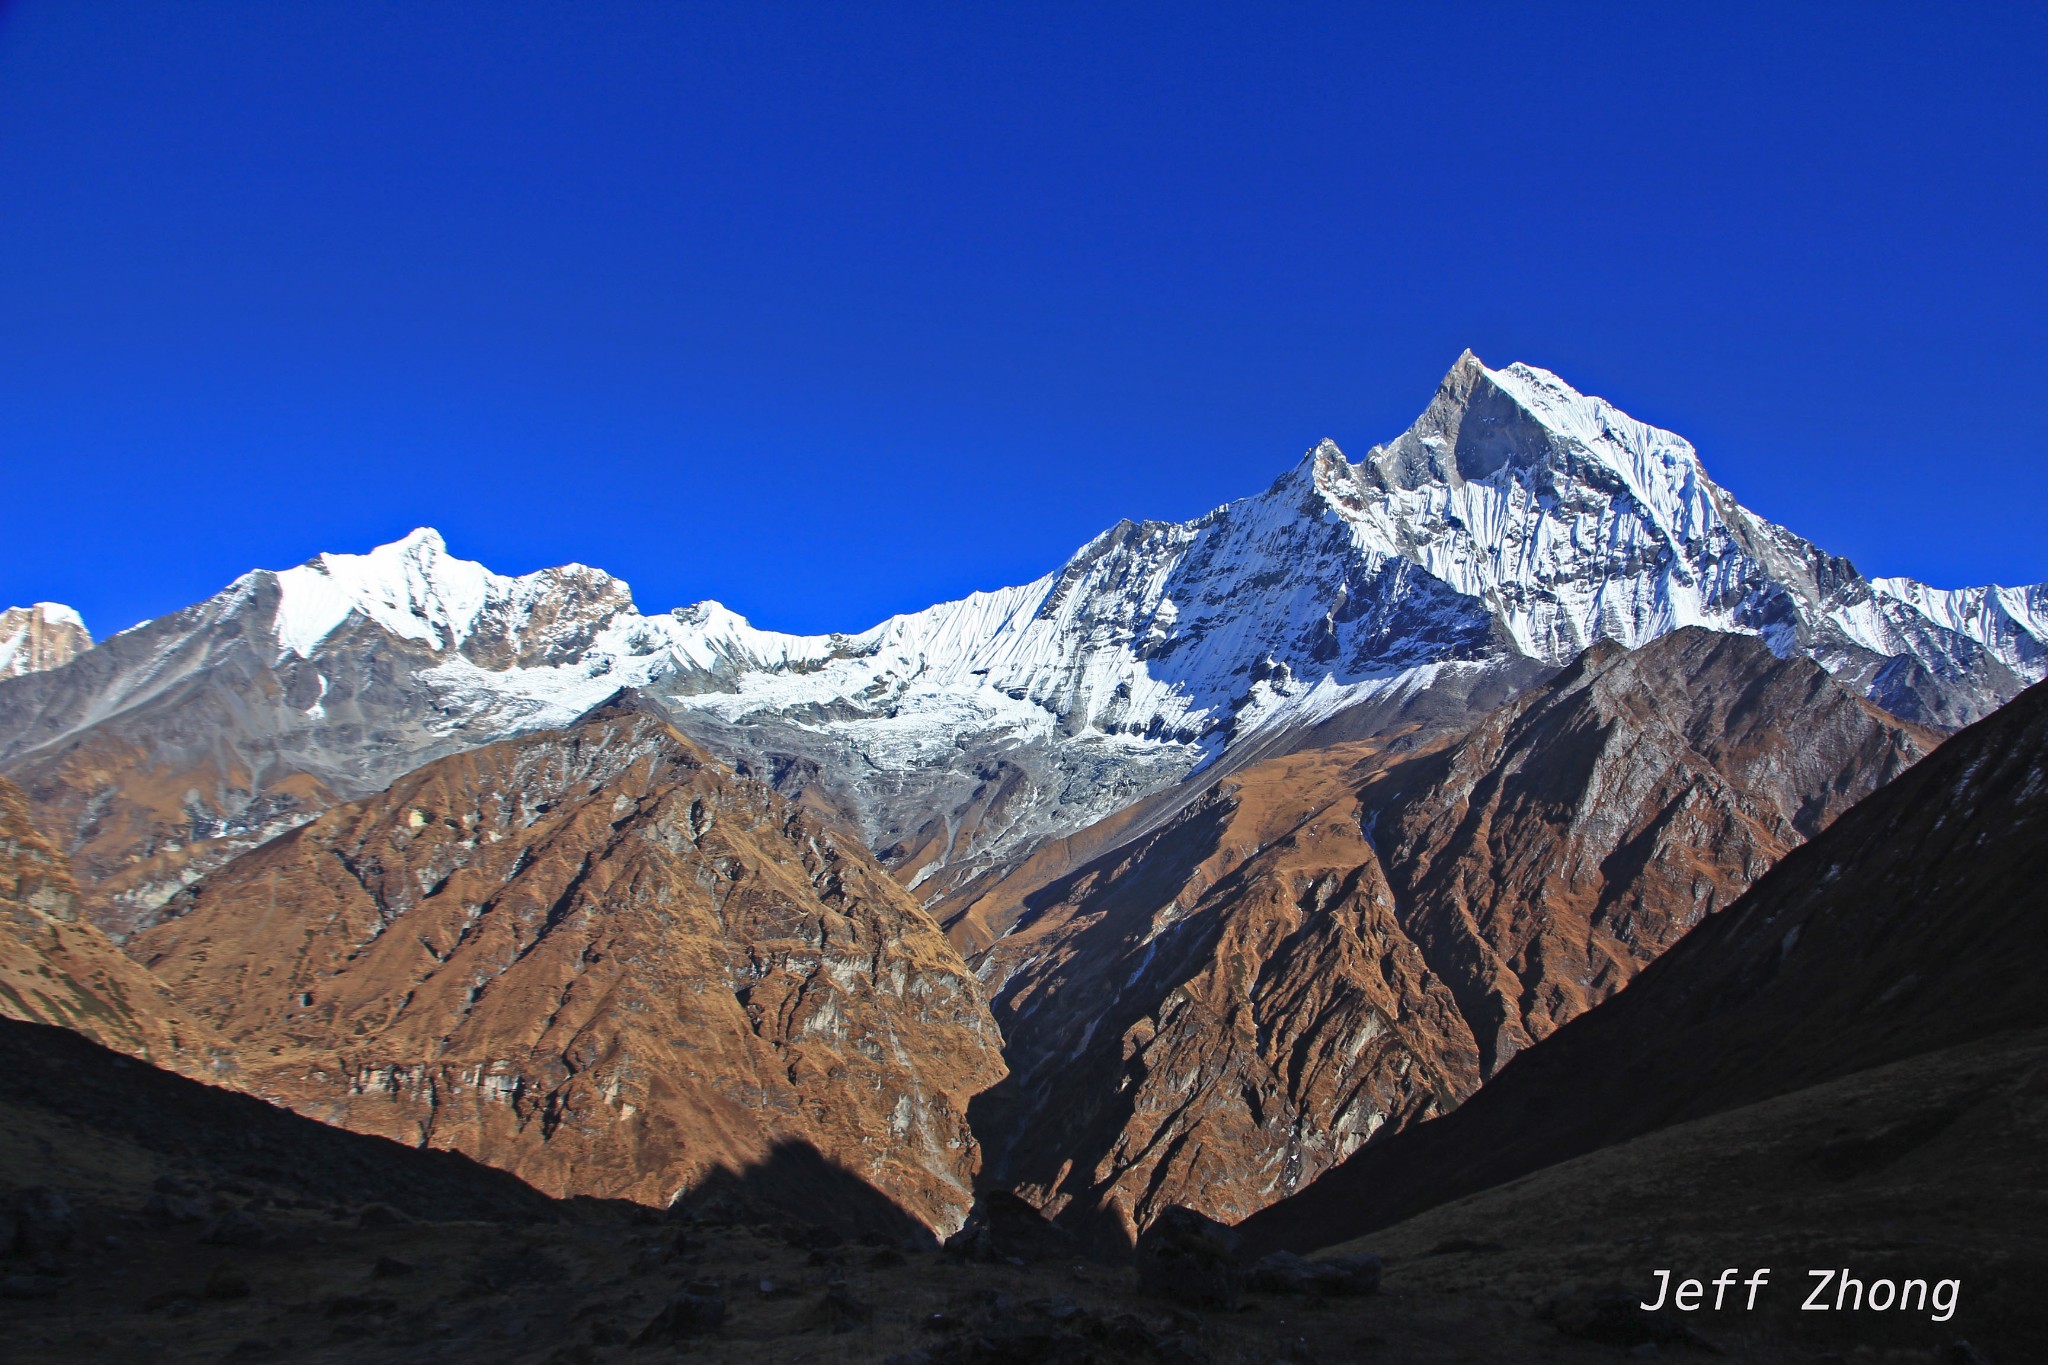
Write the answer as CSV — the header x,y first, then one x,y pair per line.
x,y
1203,872
1841,1067
1515,524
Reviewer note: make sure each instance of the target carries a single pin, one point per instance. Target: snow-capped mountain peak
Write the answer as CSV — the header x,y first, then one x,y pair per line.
x,y
1529,421
415,589
57,614
412,587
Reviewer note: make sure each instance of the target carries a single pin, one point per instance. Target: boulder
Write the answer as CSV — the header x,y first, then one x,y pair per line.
x,y
1190,1258
1004,1227
1283,1272
694,1312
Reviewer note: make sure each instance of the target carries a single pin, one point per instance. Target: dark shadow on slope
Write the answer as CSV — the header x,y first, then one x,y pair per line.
x,y
1025,1138
1932,1168
199,1128
799,1184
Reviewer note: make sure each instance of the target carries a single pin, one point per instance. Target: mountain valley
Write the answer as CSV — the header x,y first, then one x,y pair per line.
x,y
1441,848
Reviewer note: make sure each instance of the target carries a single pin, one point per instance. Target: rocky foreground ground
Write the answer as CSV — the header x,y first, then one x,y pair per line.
x,y
153,1219
335,1283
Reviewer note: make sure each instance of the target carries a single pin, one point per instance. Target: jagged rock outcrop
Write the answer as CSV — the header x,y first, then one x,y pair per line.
x,y
1516,523
599,959
46,635
1914,924
1352,938
56,968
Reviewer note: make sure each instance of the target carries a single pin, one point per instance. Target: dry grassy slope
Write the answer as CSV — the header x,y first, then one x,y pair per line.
x,y
1917,921
596,958
55,968
1267,922
1351,938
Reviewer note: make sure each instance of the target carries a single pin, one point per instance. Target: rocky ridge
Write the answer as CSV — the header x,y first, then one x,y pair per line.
x,y
1912,925
1334,944
597,958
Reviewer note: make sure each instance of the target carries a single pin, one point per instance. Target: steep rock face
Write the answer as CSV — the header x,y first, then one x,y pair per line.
x,y
1572,836
46,635
1352,938
1914,923
1516,523
600,960
55,968
1195,1017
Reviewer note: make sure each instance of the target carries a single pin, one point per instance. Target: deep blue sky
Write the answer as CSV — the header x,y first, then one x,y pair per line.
x,y
830,311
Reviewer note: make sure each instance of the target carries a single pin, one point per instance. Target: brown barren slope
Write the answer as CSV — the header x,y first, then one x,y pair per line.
x,y
598,959
1918,921
1352,939
55,968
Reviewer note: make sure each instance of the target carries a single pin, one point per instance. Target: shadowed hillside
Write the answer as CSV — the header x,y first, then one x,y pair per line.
x,y
1918,922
